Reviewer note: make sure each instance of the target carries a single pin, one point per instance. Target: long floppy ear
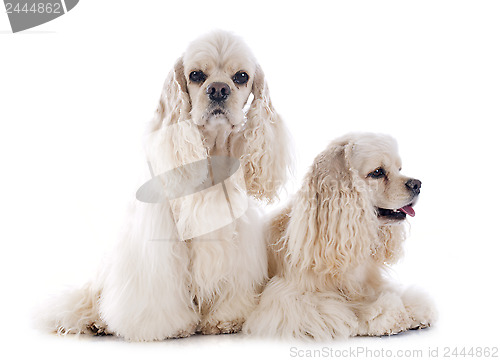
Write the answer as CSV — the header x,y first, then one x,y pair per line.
x,y
172,140
267,156
174,104
332,222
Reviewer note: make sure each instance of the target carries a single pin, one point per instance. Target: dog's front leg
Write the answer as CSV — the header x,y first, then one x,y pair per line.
x,y
146,292
229,267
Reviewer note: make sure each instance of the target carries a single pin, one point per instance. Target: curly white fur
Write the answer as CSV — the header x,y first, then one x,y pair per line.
x,y
150,288
329,247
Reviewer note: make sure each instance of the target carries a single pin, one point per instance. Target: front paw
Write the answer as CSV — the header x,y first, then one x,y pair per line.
x,y
98,328
385,316
188,331
216,327
420,309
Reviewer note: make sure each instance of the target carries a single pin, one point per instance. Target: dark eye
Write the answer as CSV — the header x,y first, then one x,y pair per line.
x,y
197,76
377,173
240,77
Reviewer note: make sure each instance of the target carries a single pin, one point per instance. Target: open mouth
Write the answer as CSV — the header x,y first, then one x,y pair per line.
x,y
396,214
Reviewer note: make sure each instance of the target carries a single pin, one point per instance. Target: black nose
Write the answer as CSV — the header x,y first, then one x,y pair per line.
x,y
218,91
414,185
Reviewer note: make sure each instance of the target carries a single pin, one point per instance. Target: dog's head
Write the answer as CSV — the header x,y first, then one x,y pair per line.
x,y
376,160
211,83
208,90
351,205
219,70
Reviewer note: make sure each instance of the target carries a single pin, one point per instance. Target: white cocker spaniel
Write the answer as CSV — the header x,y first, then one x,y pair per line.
x,y
330,247
193,256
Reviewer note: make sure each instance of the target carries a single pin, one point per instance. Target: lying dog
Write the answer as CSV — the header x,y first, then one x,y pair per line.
x,y
329,248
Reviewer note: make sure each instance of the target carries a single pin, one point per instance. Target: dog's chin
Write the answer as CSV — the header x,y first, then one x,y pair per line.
x,y
217,119
216,128
214,118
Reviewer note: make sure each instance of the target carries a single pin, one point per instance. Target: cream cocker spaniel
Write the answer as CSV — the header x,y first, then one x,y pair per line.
x,y
329,248
193,256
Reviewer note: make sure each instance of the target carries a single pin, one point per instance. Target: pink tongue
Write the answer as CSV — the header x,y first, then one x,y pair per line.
x,y
408,210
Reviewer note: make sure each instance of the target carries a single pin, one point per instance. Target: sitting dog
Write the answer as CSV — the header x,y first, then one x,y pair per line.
x,y
328,249
193,257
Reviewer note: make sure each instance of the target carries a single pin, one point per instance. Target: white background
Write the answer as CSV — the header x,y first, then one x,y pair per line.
x,y
75,94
